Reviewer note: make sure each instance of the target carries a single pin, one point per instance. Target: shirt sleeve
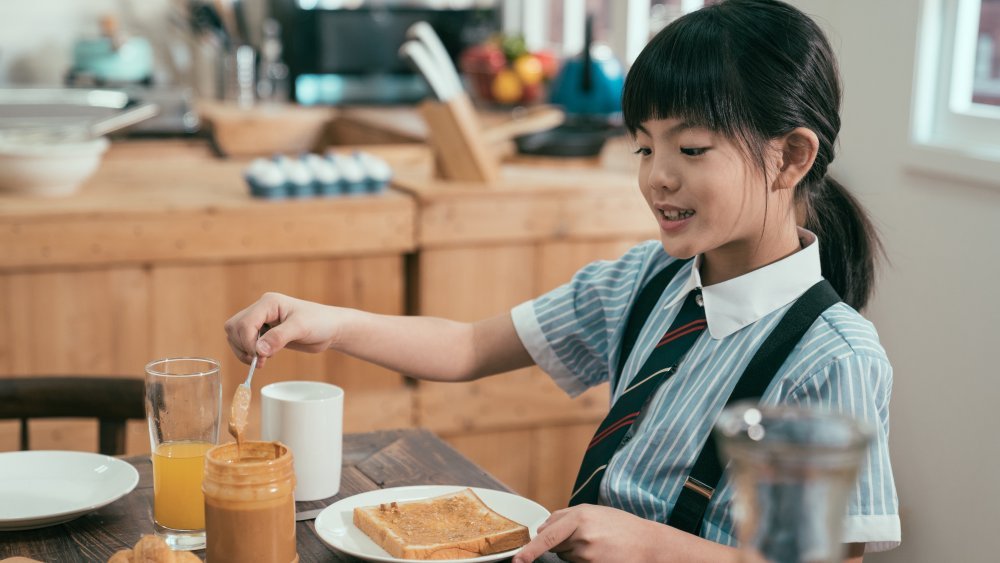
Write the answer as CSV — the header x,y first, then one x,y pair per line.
x,y
859,385
570,331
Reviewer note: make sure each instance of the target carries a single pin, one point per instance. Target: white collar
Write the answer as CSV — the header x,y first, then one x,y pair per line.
x,y
744,300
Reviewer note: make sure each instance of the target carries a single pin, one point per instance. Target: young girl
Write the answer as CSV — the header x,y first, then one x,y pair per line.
x,y
734,111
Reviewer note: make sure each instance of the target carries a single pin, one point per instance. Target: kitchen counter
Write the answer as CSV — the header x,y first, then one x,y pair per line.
x,y
157,201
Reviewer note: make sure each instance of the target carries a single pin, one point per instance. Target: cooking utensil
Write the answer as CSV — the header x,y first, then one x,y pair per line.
x,y
224,9
419,55
575,138
124,119
43,133
590,84
63,115
308,514
532,120
423,32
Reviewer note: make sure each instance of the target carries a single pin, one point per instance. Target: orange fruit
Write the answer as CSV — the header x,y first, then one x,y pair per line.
x,y
506,88
529,69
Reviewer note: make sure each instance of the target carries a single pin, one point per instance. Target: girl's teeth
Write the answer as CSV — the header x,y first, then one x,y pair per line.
x,y
677,215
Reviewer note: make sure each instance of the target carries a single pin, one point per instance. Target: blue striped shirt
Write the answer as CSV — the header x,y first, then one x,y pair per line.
x,y
574,333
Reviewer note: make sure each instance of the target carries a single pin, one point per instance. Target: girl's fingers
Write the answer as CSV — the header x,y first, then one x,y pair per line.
x,y
556,534
552,518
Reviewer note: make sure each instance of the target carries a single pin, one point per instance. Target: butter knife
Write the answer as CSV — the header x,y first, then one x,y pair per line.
x,y
308,514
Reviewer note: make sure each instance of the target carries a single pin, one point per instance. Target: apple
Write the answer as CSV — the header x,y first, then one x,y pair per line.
x,y
529,69
549,62
507,87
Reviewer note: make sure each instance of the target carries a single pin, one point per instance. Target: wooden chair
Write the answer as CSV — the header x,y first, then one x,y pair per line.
x,y
111,400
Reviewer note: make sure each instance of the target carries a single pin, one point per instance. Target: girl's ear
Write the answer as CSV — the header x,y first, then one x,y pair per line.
x,y
798,152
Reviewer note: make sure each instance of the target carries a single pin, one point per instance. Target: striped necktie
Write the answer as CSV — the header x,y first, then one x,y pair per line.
x,y
615,429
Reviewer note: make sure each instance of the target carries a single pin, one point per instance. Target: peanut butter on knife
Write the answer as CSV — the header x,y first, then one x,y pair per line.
x,y
240,409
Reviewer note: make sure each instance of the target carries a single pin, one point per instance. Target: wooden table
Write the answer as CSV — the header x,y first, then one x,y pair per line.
x,y
371,461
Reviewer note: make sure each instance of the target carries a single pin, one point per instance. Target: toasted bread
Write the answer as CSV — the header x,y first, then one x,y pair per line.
x,y
453,526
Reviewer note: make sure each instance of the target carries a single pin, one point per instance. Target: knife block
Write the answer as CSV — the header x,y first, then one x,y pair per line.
x,y
456,137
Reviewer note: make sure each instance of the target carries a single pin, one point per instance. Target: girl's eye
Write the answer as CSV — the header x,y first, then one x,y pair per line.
x,y
643,151
694,151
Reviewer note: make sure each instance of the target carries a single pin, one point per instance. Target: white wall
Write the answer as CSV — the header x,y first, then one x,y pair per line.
x,y
938,307
37,36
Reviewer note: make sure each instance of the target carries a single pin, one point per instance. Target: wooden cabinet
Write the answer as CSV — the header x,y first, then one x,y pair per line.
x,y
160,248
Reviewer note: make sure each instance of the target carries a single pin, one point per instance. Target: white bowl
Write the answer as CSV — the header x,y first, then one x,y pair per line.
x,y
48,169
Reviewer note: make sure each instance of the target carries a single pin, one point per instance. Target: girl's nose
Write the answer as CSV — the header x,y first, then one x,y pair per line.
x,y
660,178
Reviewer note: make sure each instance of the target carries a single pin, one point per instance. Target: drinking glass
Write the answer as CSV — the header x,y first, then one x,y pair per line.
x,y
183,408
792,469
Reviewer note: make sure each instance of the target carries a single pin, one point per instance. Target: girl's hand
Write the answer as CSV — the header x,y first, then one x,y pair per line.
x,y
599,533
294,323
592,533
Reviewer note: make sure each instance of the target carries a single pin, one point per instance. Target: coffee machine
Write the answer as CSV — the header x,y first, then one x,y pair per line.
x,y
346,51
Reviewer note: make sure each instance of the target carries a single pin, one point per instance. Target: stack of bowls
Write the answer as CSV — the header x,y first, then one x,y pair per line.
x,y
47,167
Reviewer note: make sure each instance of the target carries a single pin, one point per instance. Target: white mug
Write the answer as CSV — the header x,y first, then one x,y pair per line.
x,y
308,417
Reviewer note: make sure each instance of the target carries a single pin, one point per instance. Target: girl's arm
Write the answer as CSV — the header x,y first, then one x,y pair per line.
x,y
422,347
591,533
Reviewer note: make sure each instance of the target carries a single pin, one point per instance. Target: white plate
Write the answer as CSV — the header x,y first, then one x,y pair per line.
x,y
42,488
335,525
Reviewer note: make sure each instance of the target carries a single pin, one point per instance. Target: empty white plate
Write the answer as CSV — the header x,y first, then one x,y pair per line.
x,y
335,525
42,488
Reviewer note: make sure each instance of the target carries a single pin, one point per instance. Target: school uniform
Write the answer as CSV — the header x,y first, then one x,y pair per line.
x,y
574,333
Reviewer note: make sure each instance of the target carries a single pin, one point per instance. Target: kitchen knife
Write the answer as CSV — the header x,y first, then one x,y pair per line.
x,y
423,32
418,54
308,514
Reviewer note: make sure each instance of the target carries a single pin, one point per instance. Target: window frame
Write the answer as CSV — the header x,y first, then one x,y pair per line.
x,y
947,137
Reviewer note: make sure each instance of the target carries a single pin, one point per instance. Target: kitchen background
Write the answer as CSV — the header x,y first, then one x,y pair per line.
x,y
936,308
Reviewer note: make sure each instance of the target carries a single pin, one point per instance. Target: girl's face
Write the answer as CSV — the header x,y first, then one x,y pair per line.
x,y
707,199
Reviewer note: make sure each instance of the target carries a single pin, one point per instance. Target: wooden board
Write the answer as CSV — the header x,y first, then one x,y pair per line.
x,y
480,281
506,455
557,453
541,463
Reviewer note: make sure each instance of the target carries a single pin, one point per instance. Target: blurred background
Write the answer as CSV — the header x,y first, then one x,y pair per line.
x,y
167,233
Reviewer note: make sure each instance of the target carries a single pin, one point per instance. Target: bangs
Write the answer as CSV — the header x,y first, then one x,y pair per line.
x,y
682,74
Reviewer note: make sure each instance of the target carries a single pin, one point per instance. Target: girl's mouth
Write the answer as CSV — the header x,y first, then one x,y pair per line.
x,y
676,214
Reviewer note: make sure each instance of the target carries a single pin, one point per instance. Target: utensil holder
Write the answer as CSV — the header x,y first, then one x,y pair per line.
x,y
457,140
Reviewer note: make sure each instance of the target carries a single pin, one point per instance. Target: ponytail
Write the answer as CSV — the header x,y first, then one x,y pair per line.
x,y
849,245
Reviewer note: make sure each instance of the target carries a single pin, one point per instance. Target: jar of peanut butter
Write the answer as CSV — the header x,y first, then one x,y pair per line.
x,y
250,503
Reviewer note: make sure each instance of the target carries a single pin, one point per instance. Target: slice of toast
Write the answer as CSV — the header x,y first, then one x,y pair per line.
x,y
453,526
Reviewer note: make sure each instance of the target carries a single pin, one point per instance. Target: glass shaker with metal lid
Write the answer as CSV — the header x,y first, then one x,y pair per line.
x,y
792,469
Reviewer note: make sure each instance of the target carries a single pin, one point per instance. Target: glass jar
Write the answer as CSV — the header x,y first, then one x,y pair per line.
x,y
250,503
792,469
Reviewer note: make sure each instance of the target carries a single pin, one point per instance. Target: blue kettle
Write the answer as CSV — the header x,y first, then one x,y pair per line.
x,y
590,84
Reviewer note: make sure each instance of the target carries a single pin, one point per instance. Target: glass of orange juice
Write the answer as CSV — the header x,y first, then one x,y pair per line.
x,y
183,408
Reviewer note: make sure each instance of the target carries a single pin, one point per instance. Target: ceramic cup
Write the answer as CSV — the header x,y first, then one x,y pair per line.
x,y
308,417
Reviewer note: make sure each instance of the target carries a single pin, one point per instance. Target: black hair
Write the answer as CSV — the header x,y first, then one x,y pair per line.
x,y
754,70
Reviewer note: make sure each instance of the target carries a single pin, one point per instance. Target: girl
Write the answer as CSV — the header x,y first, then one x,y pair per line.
x,y
734,111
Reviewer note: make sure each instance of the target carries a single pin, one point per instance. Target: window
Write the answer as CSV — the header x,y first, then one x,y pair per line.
x,y
956,110
986,73
624,25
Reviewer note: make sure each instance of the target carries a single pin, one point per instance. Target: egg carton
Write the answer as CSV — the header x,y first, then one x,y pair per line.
x,y
312,175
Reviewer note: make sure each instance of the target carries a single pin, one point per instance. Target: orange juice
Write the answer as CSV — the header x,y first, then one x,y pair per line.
x,y
178,468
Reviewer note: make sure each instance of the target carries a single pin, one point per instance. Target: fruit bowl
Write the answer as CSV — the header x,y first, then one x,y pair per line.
x,y
502,71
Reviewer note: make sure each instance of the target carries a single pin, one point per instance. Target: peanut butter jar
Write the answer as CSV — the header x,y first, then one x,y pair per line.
x,y
250,503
